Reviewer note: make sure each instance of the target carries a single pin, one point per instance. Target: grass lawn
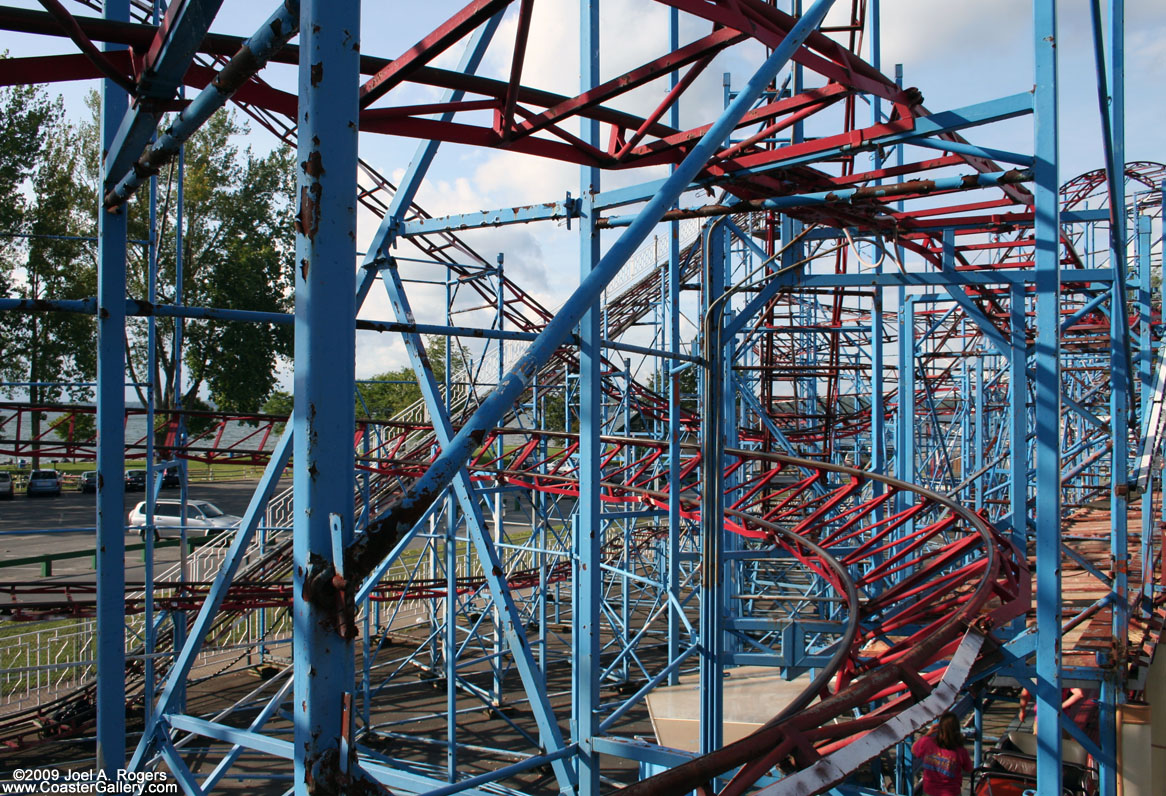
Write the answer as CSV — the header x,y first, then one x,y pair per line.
x,y
196,471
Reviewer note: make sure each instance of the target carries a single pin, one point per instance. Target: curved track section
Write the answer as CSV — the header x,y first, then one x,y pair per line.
x,y
900,576
884,588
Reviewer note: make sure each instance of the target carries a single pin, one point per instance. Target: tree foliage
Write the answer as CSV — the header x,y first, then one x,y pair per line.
x,y
388,394
688,384
236,245
46,216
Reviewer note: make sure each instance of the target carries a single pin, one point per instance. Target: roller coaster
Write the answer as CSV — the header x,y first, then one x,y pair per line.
x,y
870,487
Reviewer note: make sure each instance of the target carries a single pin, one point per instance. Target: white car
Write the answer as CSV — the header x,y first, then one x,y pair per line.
x,y
202,518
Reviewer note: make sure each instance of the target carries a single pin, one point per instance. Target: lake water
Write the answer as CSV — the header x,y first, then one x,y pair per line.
x,y
234,432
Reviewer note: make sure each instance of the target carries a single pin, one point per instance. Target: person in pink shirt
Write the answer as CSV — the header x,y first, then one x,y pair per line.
x,y
942,757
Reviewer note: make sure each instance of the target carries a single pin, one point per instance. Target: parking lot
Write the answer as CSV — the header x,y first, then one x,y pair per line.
x,y
69,521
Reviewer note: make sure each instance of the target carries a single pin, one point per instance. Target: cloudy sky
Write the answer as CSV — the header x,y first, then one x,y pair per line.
x,y
957,52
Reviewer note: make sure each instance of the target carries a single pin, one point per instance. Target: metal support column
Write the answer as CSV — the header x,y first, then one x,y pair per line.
x,y
1146,378
588,526
905,421
672,319
1113,684
1048,397
1018,421
1113,679
712,509
111,322
324,416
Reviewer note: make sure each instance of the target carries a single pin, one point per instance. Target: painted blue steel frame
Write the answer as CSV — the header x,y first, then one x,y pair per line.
x,y
370,547
1111,77
1047,365
111,320
588,529
1046,368
324,416
713,587
671,318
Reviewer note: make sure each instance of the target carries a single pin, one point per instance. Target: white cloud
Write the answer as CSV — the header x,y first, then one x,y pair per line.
x,y
958,53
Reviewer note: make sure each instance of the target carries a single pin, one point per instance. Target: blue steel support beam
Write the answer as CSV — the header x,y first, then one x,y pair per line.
x,y
1121,397
324,415
1146,378
373,545
111,322
961,148
546,211
878,409
510,622
905,424
1017,422
982,113
588,528
277,31
1046,357
1111,105
672,320
712,493
929,279
426,381
979,431
1113,684
137,307
185,26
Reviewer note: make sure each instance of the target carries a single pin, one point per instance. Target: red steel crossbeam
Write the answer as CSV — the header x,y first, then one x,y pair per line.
x,y
521,34
99,60
431,46
704,47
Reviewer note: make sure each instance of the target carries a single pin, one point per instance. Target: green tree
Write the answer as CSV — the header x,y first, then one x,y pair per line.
x,y
237,251
236,241
51,352
25,113
279,403
392,392
689,387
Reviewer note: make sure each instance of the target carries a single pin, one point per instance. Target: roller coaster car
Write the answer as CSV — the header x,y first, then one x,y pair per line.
x,y
1010,769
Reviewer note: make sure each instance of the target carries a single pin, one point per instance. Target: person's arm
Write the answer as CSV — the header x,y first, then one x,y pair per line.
x,y
965,760
917,749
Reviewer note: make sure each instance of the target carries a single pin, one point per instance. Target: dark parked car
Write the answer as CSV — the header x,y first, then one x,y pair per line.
x,y
89,481
135,480
5,485
171,478
43,482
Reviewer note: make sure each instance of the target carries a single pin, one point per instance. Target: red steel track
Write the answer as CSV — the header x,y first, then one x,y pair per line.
x,y
915,571
918,574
